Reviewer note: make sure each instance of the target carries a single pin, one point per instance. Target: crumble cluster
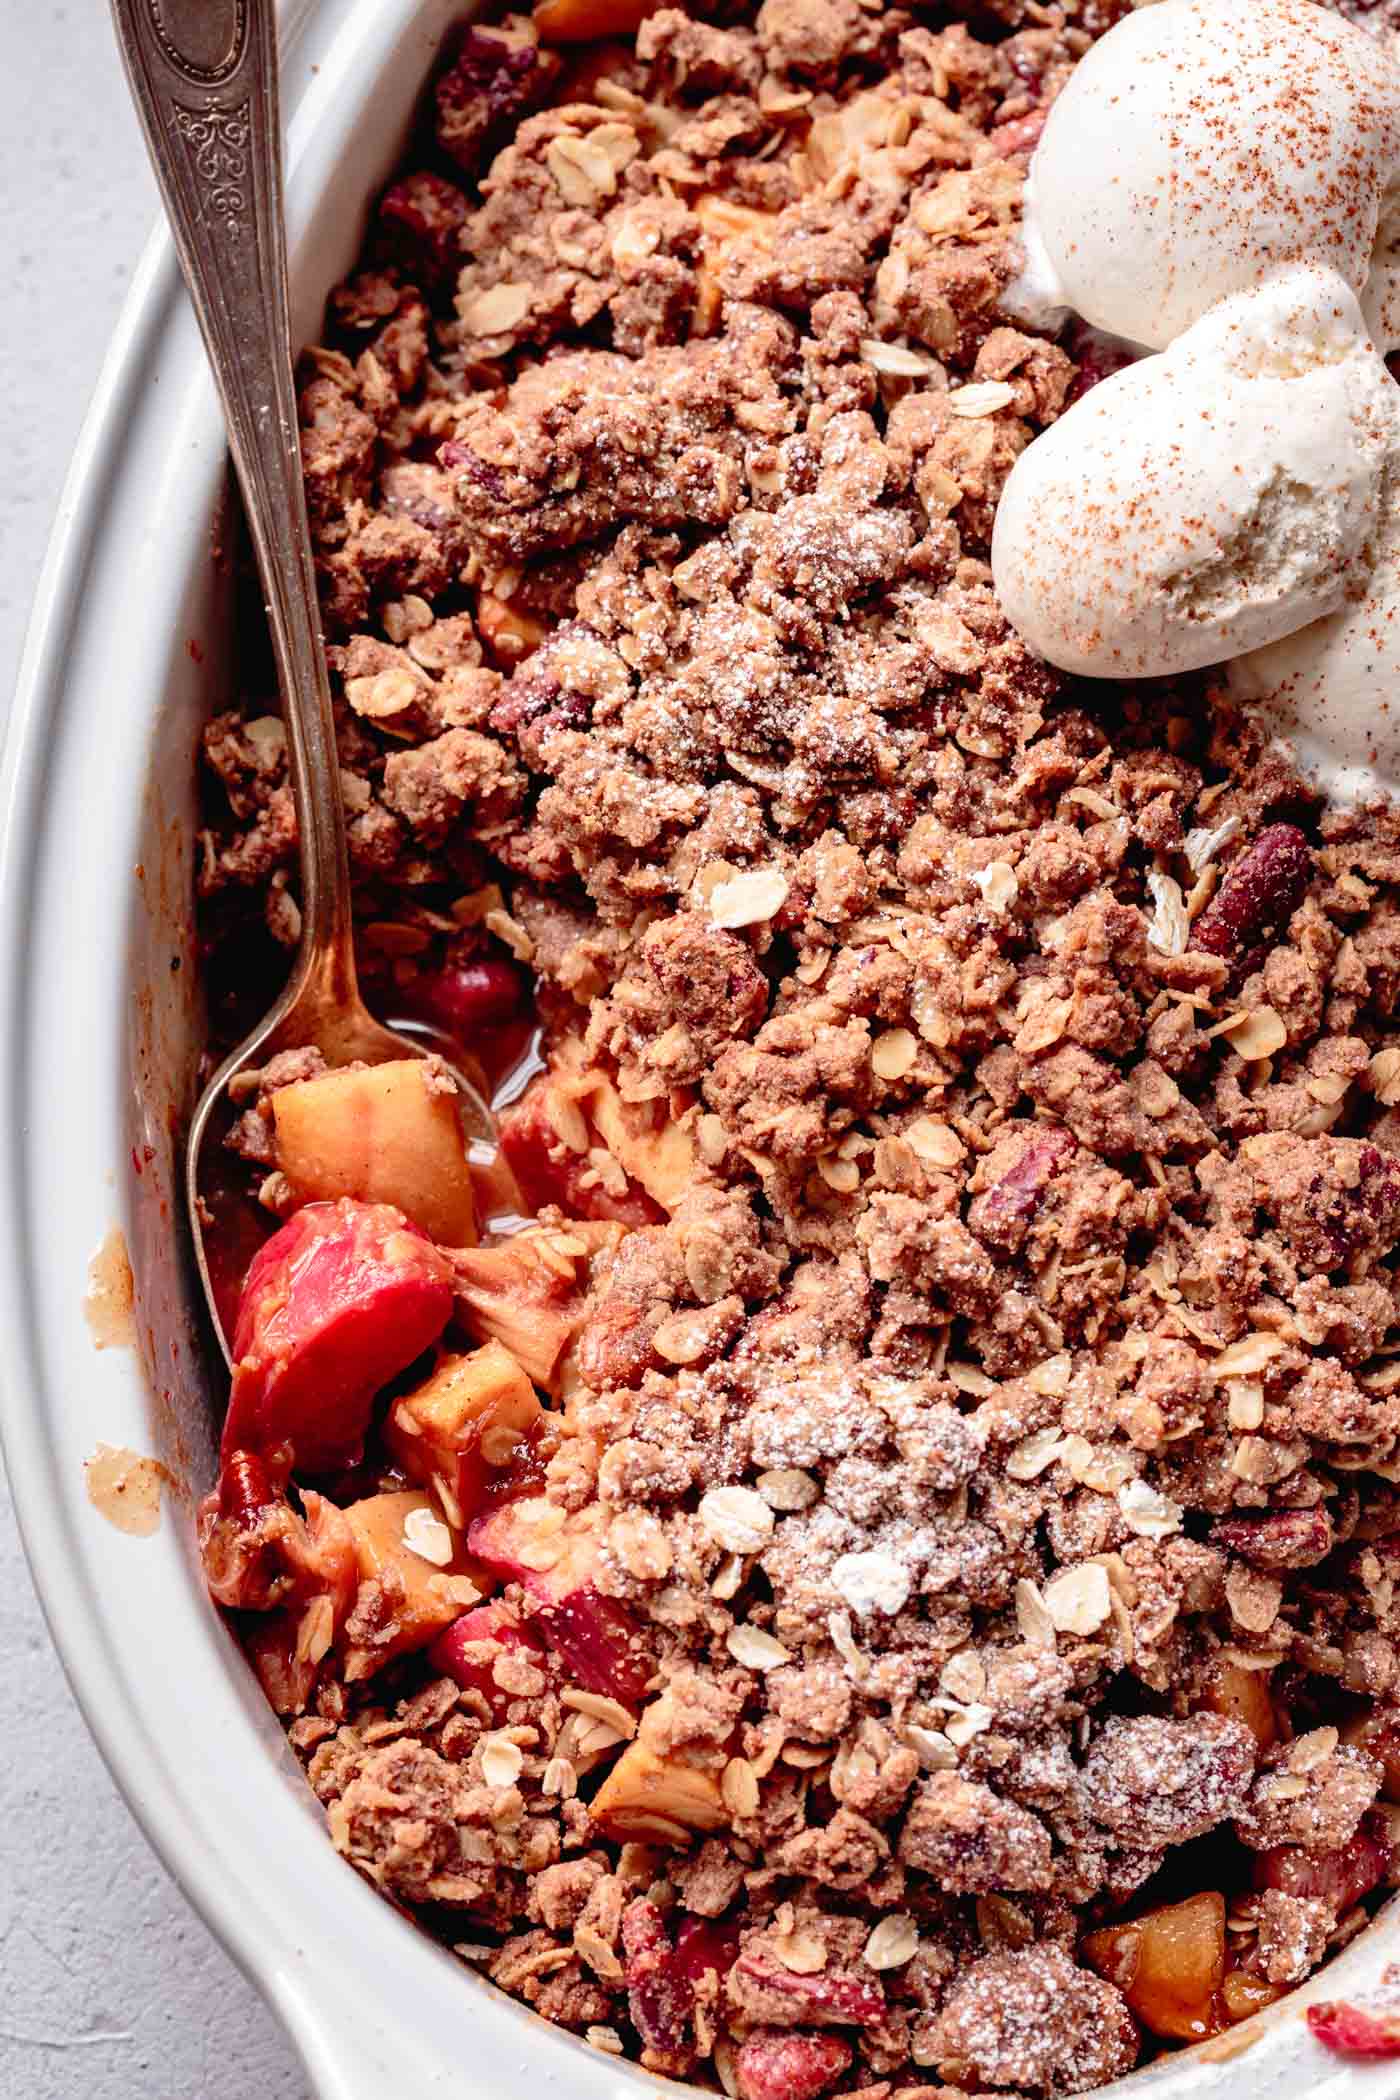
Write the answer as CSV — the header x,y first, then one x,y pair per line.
x,y
993,1404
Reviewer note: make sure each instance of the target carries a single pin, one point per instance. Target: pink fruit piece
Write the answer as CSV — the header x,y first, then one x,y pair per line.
x,y
1001,1213
537,701
547,1172
247,1486
535,715
472,1646
1096,355
459,459
467,998
597,1640
1258,896
421,220
660,1997
334,1306
1352,2031
1339,1877
776,2064
1018,134
1285,1538
491,79
414,489
707,1946
827,1999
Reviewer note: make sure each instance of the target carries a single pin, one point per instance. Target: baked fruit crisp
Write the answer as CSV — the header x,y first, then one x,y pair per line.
x,y
861,1553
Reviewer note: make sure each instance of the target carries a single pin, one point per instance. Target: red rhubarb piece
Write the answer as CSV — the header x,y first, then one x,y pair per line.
x,y
335,1305
597,1640
472,1646
1285,1538
1352,2031
827,1999
1339,1877
660,1997
707,1946
1000,1214
776,2064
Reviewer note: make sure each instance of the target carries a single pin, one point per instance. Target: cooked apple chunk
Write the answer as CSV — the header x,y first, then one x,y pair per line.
x,y
647,1143
573,1140
530,1293
1168,1964
387,1133
580,21
658,1800
468,1420
1242,1695
548,1170
422,1578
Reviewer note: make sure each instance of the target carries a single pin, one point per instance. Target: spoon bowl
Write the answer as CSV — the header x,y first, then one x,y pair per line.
x,y
345,1033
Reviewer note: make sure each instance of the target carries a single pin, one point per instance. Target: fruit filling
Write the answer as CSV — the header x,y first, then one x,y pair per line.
x,y
861,1553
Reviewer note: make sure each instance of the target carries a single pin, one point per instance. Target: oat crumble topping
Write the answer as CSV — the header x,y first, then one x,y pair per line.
x,y
889,1581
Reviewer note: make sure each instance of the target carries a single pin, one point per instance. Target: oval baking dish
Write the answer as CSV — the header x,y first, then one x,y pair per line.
x,y
131,647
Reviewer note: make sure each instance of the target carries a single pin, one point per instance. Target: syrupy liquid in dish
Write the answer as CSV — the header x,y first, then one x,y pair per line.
x,y
864,1558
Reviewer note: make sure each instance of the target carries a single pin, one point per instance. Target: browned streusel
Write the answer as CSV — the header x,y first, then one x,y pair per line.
x,y
985,1408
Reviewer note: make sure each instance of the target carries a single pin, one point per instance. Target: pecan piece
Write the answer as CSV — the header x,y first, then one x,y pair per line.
x,y
1258,896
1285,1538
774,2064
1001,1214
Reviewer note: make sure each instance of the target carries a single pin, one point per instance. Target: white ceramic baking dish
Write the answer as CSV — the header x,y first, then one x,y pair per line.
x,y
129,650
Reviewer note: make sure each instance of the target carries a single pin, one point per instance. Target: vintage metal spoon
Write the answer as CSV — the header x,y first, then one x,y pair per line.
x,y
203,74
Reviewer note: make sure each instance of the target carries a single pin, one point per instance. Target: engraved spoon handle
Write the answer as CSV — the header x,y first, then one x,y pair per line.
x,y
203,74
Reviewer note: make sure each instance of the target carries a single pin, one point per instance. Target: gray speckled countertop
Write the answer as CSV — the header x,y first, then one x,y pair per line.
x,y
110,1988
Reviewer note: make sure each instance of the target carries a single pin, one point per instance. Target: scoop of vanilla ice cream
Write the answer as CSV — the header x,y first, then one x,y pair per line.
x,y
1332,689
1198,145
1208,500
